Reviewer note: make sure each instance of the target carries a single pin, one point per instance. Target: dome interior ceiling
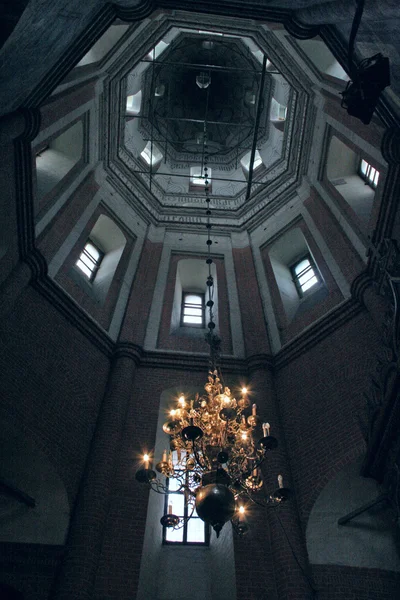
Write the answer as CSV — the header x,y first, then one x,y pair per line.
x,y
225,110
191,91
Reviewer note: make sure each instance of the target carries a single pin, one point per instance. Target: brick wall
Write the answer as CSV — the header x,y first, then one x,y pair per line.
x,y
371,133
347,258
29,568
251,310
320,395
53,381
58,229
118,573
60,105
139,304
347,583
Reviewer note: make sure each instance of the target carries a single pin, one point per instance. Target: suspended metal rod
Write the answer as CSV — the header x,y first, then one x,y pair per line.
x,y
201,66
257,121
17,493
151,109
361,509
195,121
159,172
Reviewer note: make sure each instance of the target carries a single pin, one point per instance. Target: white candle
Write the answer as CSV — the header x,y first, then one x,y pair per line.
x,y
146,459
164,456
170,509
266,429
280,481
254,409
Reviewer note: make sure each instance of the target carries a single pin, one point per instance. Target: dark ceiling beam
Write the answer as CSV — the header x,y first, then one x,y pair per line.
x,y
257,122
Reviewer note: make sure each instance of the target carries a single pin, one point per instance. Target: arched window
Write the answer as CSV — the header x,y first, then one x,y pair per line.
x,y
167,559
134,103
57,158
353,177
99,258
245,162
368,540
151,155
296,274
189,311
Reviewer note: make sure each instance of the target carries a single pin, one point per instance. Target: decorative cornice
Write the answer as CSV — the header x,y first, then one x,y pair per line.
x,y
300,30
238,9
23,181
390,146
135,13
193,362
128,350
359,285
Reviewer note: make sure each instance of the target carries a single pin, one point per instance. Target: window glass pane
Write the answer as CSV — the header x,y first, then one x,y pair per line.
x,y
84,268
174,535
92,250
177,501
192,311
173,484
195,531
376,178
196,177
90,264
193,299
364,166
308,284
371,174
301,266
193,320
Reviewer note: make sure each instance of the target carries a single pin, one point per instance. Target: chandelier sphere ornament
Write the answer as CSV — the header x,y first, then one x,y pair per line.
x,y
217,443
203,80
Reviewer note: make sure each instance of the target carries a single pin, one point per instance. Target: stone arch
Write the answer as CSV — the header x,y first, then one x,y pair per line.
x,y
26,471
365,542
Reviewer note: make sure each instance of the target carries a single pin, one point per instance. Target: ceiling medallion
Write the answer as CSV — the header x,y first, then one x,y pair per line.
x,y
217,442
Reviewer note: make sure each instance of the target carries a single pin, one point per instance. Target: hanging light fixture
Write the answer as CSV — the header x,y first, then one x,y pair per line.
x,y
216,440
203,80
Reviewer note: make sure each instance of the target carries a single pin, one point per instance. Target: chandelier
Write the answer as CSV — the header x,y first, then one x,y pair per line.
x,y
217,443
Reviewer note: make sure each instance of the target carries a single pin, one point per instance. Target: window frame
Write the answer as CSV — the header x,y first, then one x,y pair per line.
x,y
296,276
203,310
97,262
196,187
366,176
153,165
184,541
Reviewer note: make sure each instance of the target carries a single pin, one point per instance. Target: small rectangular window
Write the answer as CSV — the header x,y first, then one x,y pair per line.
x,y
368,173
89,260
305,275
192,531
151,155
198,179
192,312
